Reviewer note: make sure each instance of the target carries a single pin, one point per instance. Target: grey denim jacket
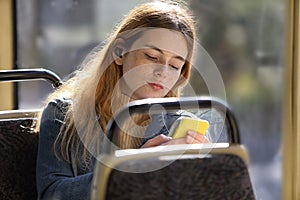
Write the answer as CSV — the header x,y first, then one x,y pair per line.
x,y
57,179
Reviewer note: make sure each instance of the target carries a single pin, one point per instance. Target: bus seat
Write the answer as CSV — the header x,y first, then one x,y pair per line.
x,y
18,152
181,172
198,171
18,141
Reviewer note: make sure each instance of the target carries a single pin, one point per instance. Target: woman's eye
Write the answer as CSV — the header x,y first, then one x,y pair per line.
x,y
174,67
151,57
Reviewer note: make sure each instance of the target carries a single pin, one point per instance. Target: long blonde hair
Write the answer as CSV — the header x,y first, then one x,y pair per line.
x,y
91,88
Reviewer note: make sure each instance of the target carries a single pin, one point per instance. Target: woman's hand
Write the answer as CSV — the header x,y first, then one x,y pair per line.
x,y
192,137
157,141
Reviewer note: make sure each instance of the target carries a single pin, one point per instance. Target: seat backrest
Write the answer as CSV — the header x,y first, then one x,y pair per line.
x,y
18,153
18,141
216,173
198,171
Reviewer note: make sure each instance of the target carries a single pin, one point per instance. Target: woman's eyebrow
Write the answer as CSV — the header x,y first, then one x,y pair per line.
x,y
159,50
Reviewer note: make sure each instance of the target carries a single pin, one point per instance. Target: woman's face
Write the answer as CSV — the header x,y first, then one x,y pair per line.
x,y
153,64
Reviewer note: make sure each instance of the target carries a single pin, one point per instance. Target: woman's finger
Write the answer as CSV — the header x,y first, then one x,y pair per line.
x,y
192,135
156,141
176,141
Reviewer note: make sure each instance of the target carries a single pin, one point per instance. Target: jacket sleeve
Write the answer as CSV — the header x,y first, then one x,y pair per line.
x,y
55,178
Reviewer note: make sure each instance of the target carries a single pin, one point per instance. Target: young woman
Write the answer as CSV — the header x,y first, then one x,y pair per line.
x,y
148,56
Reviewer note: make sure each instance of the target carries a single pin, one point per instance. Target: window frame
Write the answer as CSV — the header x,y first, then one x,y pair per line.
x,y
291,114
7,53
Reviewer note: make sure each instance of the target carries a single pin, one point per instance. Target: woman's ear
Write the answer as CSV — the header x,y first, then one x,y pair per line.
x,y
118,51
117,54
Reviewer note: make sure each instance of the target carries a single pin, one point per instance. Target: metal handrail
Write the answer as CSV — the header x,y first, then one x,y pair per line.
x,y
168,104
31,74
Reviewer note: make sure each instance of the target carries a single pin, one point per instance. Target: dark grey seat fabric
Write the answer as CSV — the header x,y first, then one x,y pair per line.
x,y
18,152
218,176
208,171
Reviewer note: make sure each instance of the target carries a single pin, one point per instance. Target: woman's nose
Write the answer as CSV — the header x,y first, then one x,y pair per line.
x,y
161,70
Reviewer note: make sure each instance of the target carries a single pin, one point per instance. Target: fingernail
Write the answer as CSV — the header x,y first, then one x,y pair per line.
x,y
189,139
190,132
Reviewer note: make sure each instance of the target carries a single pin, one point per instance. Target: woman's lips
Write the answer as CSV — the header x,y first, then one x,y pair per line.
x,y
156,86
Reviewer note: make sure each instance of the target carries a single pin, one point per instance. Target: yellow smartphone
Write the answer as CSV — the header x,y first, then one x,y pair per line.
x,y
183,124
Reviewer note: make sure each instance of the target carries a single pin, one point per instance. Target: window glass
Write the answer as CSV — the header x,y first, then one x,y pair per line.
x,y
244,39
